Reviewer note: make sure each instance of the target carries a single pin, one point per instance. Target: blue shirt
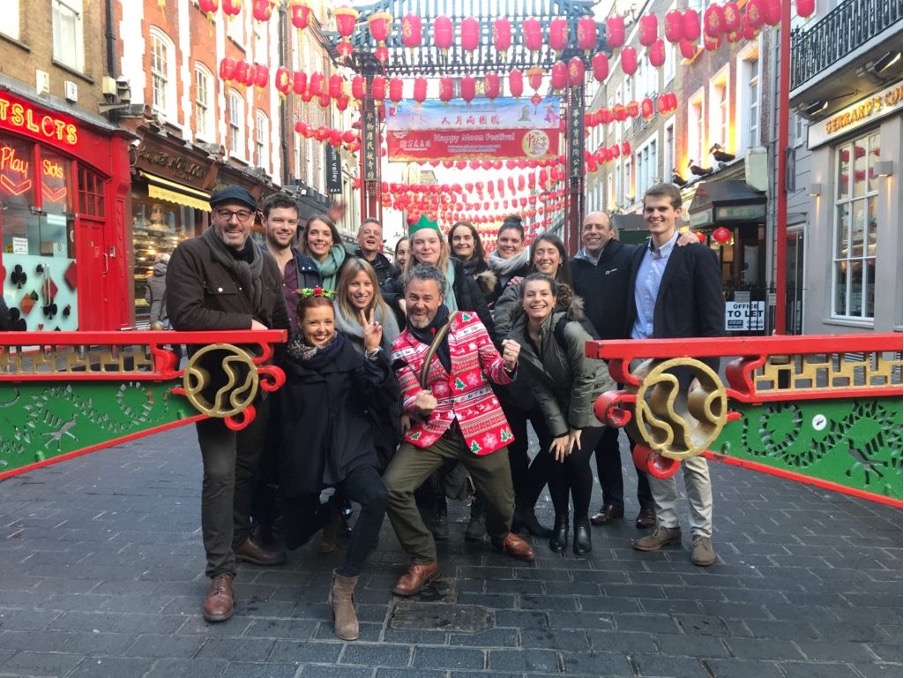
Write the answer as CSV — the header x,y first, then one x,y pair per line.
x,y
646,288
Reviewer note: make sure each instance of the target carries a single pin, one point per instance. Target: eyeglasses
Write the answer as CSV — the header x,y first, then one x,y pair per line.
x,y
242,215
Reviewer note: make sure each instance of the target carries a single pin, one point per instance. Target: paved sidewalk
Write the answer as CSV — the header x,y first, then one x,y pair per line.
x,y
101,575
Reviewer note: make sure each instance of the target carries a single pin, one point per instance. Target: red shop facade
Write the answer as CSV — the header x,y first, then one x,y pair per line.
x,y
64,192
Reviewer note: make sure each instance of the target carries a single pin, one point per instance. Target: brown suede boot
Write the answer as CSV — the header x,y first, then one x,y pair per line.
x,y
342,603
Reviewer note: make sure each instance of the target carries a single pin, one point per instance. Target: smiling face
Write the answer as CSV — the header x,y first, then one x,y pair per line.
x,y
370,238
538,300
426,246
661,217
422,299
319,239
509,242
360,291
280,227
547,258
596,232
402,252
318,325
232,221
462,242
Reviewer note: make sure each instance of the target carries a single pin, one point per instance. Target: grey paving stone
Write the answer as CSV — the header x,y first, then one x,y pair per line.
x,y
676,645
111,667
489,638
370,633
743,668
886,652
658,666
109,644
527,660
42,663
758,648
291,629
304,652
879,670
237,649
521,619
626,643
452,658
818,670
409,673
566,641
376,655
45,641
187,668
262,670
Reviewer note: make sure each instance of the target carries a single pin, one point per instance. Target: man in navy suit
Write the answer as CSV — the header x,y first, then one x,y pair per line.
x,y
676,292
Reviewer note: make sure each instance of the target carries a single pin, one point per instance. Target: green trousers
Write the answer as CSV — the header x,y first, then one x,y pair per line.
x,y
411,466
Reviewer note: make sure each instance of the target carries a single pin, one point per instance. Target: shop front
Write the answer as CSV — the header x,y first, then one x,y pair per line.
x,y
64,183
732,216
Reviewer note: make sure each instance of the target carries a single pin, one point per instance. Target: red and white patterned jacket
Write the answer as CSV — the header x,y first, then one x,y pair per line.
x,y
464,395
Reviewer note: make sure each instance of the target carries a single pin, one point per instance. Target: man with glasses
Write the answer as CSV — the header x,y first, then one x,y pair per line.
x,y
222,281
370,242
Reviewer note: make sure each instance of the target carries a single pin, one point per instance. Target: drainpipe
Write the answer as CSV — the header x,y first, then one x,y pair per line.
x,y
110,37
781,192
286,132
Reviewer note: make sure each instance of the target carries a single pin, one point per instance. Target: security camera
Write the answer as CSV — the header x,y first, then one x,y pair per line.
x,y
135,143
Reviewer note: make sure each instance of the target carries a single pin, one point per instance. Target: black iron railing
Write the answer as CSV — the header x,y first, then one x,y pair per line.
x,y
847,27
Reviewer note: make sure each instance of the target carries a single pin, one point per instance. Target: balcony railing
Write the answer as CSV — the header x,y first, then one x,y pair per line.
x,y
843,30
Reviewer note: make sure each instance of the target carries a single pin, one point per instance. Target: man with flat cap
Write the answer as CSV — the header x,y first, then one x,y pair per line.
x,y
222,281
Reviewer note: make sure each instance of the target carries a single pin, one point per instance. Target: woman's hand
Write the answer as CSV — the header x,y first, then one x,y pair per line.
x,y
574,436
373,331
561,447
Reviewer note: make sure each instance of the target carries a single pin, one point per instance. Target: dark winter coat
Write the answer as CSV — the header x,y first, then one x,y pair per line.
x,y
383,268
605,288
155,293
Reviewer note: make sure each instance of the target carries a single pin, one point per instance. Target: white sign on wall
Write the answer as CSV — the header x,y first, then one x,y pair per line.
x,y
744,316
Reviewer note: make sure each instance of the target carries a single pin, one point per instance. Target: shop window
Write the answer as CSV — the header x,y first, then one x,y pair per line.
x,y
37,235
855,229
748,99
696,130
204,121
10,24
261,141
647,167
718,111
163,74
668,152
68,34
236,125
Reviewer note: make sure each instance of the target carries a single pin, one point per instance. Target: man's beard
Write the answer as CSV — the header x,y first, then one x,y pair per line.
x,y
274,244
420,322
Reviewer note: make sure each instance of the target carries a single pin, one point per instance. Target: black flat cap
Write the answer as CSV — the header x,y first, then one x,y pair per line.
x,y
233,194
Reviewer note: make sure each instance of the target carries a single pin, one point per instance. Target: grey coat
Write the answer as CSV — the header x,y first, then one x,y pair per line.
x,y
565,382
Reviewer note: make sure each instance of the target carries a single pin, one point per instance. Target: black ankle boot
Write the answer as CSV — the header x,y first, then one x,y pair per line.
x,y
559,538
582,543
530,523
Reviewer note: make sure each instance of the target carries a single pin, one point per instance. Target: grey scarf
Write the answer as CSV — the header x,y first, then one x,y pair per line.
x,y
507,267
248,275
353,330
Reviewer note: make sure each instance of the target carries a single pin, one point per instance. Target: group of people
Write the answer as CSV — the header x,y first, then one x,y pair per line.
x,y
401,375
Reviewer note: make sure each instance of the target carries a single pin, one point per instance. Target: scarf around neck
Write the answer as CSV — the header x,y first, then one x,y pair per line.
x,y
330,266
507,267
315,357
425,336
246,273
353,329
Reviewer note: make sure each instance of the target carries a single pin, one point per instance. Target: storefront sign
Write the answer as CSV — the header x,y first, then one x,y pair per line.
x,y
19,116
745,316
178,167
738,212
333,170
501,128
20,245
863,112
704,218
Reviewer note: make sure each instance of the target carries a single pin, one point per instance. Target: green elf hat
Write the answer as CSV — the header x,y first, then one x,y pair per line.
x,y
424,222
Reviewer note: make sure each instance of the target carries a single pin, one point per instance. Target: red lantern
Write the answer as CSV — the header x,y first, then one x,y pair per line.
x,y
491,86
614,151
442,33
731,16
301,13
713,22
649,28
516,83
232,8
446,89
558,34
315,83
342,102
745,30
502,34
575,71
468,88
345,49
381,54
625,148
533,34
772,12
227,69
619,112
688,49
629,60
711,44
691,25
324,100
470,34
358,87
805,7
586,34
615,32
662,103
656,53
262,10
335,88
673,101
674,26
379,23
632,109
646,108
283,81
395,90
600,65
535,77
378,88
721,235
412,31
606,116
261,75
346,18
559,75
755,14
420,89
301,128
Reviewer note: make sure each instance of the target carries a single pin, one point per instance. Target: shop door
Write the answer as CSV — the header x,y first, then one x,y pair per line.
x,y
794,307
96,264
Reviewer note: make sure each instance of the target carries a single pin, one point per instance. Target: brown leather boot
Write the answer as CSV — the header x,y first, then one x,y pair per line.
x,y
416,578
330,533
342,603
220,600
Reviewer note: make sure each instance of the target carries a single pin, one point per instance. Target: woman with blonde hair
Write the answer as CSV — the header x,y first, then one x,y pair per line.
x,y
358,290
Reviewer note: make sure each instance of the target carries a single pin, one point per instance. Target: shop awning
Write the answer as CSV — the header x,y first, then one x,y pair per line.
x,y
726,202
170,191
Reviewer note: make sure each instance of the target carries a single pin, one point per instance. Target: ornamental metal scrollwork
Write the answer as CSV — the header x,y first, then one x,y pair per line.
x,y
227,391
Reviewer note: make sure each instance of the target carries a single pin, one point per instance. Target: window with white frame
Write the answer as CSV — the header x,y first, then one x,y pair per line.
x,y
261,141
647,166
163,74
855,229
236,125
628,169
748,99
68,33
10,24
696,130
668,151
204,118
611,200
718,109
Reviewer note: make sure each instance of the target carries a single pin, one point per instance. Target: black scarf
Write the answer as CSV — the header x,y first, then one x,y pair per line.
x,y
244,265
470,266
426,334
315,357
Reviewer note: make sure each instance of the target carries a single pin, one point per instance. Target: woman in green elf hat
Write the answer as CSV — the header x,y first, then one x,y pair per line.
x,y
321,242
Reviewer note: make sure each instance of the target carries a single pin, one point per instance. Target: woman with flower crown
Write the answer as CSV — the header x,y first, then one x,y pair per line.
x,y
328,441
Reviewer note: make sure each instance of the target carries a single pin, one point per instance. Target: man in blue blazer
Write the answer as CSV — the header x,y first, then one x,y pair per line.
x,y
676,292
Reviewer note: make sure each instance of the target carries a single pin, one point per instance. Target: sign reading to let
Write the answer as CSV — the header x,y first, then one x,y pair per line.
x,y
743,316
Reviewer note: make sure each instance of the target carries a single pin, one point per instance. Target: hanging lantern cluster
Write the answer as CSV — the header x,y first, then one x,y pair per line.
x,y
244,73
665,103
348,139
300,13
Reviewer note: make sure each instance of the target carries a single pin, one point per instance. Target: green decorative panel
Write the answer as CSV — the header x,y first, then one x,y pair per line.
x,y
40,421
851,442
